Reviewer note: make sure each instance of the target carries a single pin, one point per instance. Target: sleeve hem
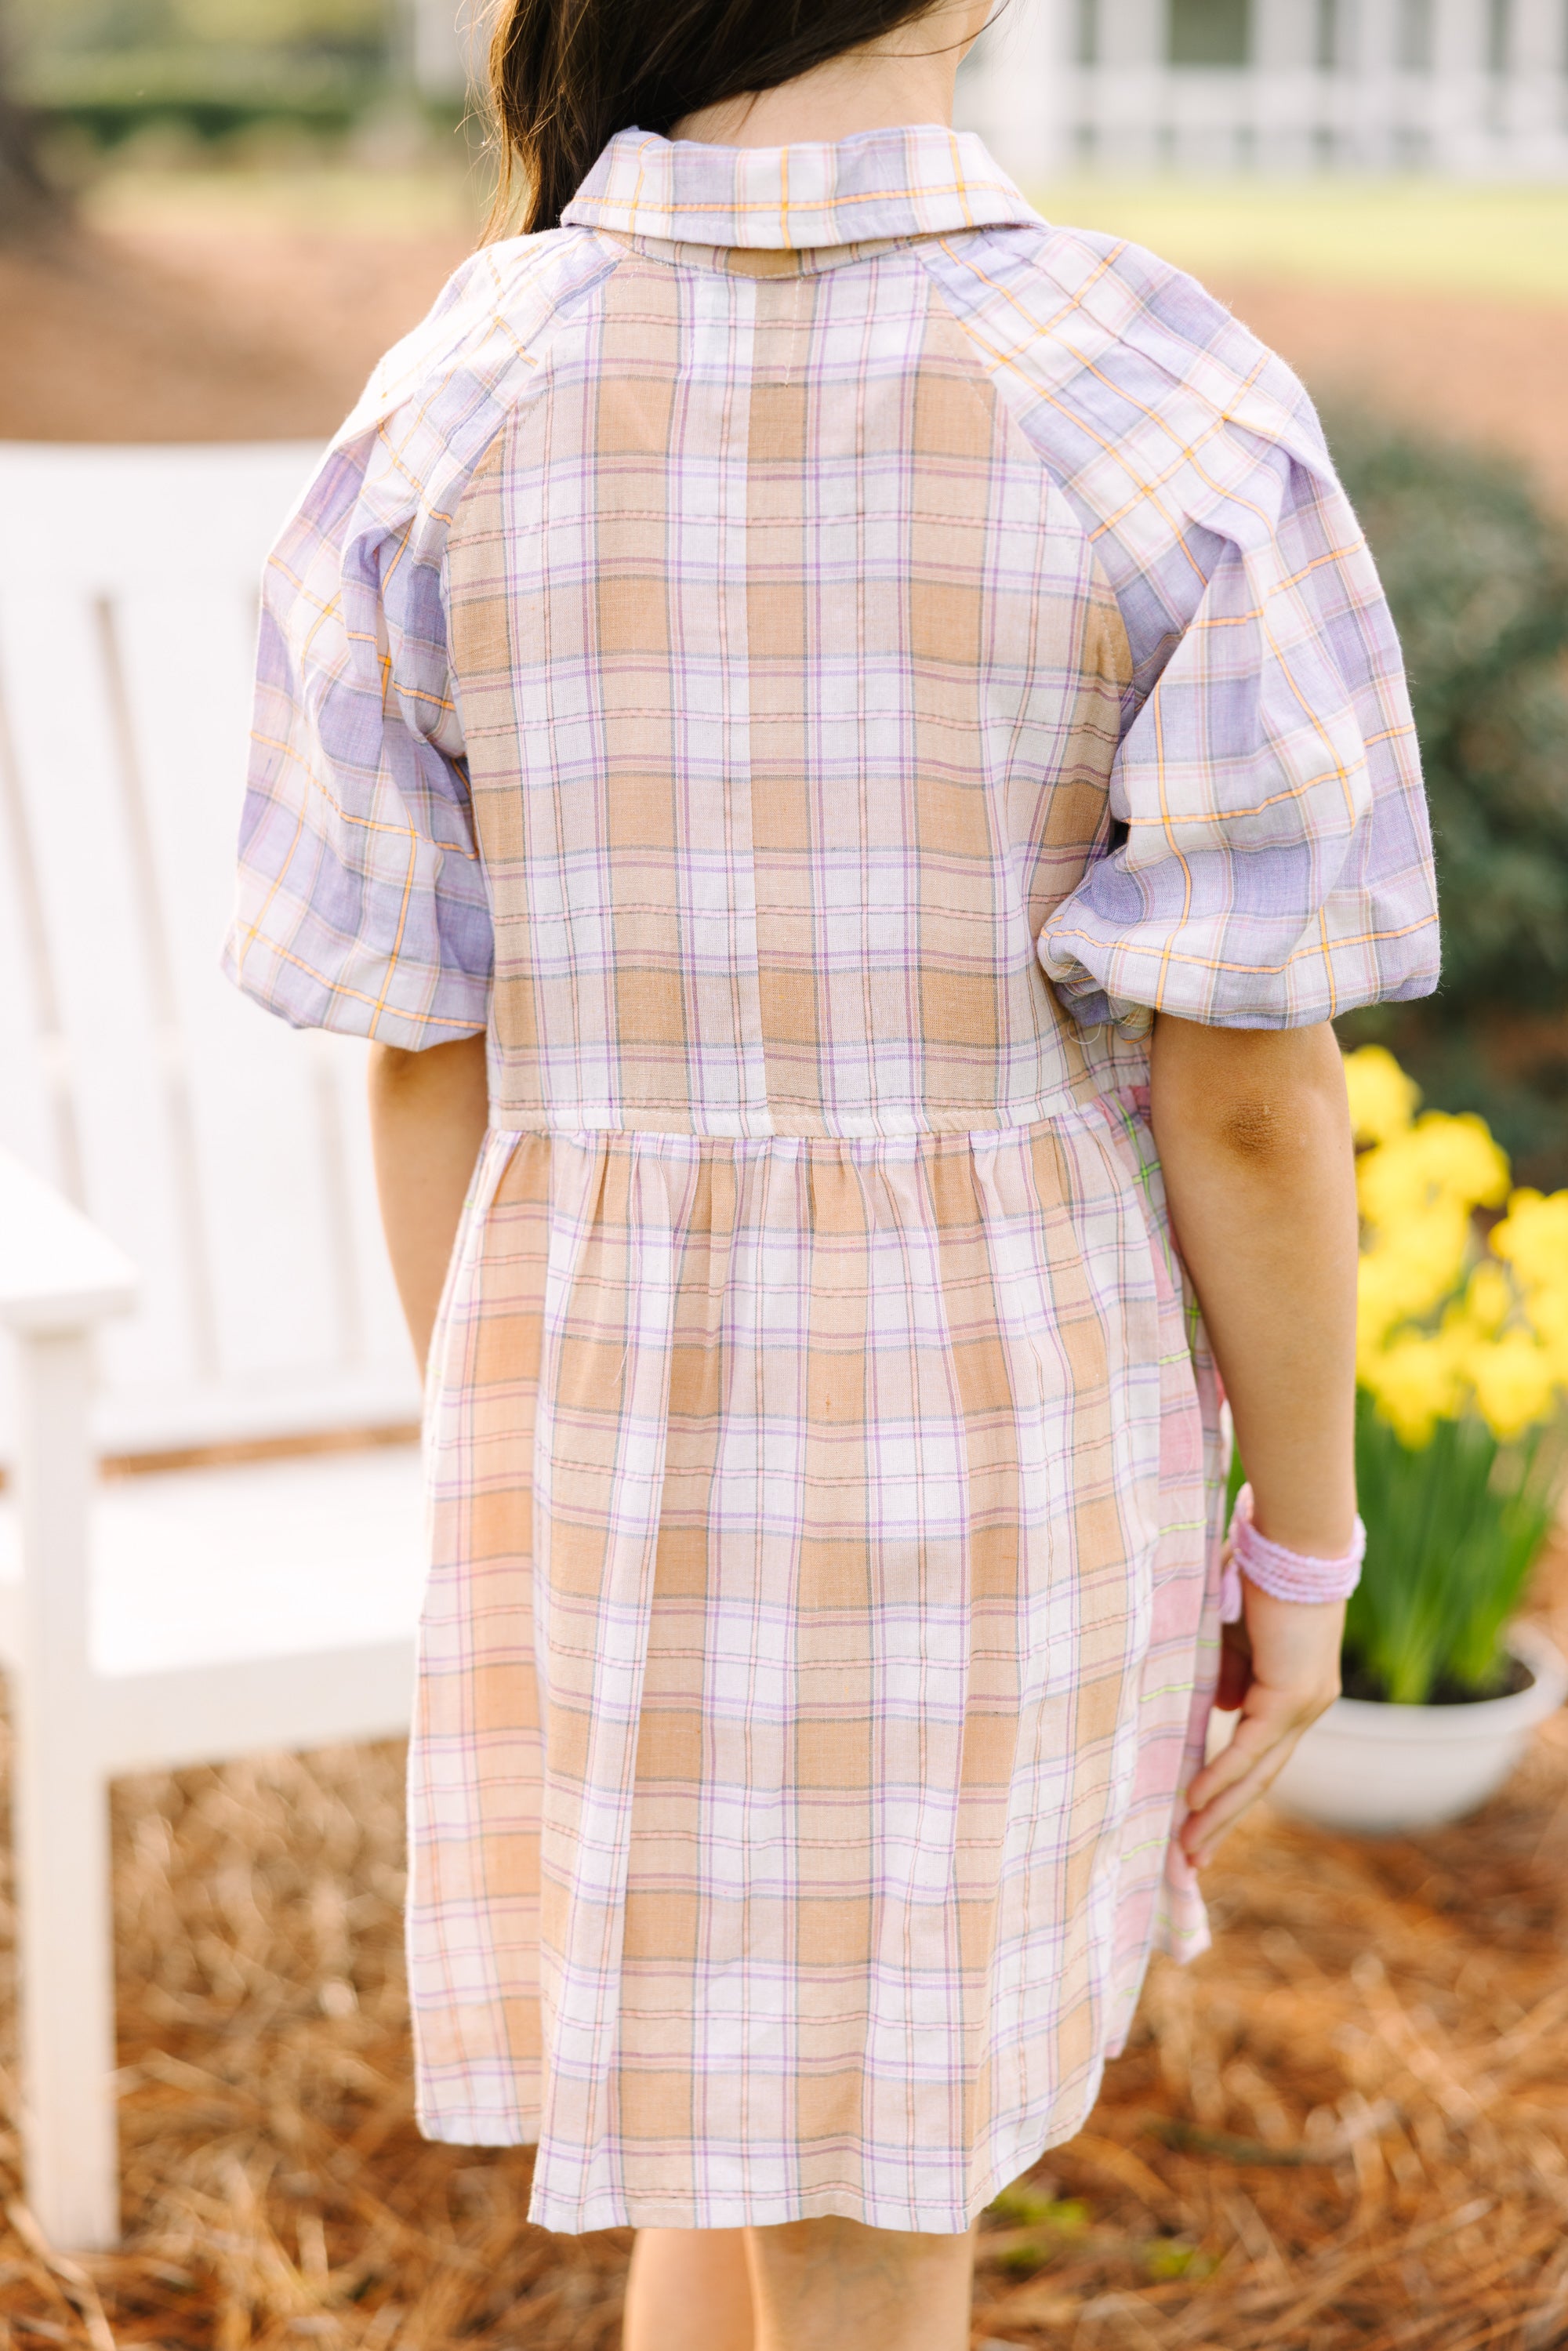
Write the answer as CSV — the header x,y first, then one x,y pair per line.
x,y
310,999
1299,994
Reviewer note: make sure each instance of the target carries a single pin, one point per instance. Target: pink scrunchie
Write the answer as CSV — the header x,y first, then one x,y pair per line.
x,y
1283,1574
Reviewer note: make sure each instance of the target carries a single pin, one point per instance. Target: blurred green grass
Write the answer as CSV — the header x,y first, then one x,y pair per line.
x,y
1432,236
446,197
1509,243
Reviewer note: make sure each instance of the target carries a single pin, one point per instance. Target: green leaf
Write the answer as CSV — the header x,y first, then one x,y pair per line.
x,y
1173,2257
1027,2208
1452,1533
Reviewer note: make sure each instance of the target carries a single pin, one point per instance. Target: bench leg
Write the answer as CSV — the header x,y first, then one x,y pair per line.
x,y
65,1991
64,1929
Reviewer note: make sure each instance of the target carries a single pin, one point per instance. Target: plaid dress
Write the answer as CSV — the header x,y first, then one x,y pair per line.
x,y
804,656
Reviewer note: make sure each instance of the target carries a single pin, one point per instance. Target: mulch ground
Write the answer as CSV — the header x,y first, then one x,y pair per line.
x,y
1346,2126
198,335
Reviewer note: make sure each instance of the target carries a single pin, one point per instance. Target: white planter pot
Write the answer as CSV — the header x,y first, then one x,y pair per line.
x,y
1379,1770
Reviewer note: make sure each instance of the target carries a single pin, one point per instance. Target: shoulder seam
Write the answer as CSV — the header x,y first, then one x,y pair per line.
x,y
459,352
1100,577
532,386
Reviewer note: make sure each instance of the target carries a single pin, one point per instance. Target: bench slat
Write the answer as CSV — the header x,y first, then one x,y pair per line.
x,y
228,1158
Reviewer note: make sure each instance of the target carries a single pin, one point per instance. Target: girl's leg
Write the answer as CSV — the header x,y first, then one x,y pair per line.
x,y
821,2285
689,2290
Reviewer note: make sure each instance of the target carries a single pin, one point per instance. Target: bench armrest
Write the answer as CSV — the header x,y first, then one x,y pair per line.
x,y
57,1271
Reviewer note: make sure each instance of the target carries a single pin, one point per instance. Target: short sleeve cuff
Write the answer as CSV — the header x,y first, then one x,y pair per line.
x,y
364,996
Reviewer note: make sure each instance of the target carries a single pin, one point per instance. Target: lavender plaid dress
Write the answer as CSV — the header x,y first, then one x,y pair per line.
x,y
804,656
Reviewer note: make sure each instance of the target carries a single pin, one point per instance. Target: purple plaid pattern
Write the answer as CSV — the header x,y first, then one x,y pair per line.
x,y
805,656
1277,867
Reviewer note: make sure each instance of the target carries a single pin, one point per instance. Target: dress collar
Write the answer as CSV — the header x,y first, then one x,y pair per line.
x,y
921,182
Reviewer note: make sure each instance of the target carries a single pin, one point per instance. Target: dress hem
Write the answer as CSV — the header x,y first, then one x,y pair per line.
x,y
565,2218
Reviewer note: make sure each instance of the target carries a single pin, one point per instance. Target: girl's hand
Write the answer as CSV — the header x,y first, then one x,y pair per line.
x,y
1280,1667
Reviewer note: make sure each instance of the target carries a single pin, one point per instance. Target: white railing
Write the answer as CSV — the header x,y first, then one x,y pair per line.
x,y
1474,107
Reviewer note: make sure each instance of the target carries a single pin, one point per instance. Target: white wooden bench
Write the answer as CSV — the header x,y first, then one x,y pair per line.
x,y
189,1253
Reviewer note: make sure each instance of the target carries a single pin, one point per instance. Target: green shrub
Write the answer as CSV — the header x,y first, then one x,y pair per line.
x,y
1476,574
109,68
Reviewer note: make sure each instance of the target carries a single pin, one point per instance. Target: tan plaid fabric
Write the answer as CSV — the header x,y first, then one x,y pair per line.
x,y
806,655
828,714
807,1665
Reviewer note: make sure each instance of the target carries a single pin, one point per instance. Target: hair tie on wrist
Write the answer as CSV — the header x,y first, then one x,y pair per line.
x,y
1283,1574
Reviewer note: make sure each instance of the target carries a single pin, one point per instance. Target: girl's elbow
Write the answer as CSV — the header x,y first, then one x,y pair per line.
x,y
1258,1098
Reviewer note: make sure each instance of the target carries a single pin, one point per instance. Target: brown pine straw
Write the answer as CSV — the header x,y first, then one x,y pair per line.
x,y
1347,2125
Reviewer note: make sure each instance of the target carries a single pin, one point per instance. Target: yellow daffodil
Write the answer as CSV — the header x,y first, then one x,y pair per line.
x,y
1382,1098
1413,1263
1441,1159
1533,1239
1513,1383
1461,1158
1415,1382
1546,1312
1488,1298
1446,1325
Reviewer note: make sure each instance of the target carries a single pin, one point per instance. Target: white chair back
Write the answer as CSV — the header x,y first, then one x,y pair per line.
x,y
228,1158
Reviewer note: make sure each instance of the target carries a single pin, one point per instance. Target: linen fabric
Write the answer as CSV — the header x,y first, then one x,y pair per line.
x,y
806,656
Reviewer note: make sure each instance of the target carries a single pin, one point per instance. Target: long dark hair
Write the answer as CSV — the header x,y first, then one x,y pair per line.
x,y
566,75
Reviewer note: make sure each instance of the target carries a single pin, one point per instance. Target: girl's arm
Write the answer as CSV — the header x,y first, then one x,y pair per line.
x,y
428,1113
1253,1132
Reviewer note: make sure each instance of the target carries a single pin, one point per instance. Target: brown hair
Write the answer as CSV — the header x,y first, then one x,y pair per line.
x,y
566,75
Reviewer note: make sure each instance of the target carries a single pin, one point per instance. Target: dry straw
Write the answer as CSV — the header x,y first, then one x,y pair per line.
x,y
1348,2125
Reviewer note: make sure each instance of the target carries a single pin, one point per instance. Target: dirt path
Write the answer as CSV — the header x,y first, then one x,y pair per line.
x,y
1487,372
203,336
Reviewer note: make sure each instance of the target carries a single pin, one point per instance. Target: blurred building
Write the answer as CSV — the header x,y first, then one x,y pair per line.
x,y
1464,87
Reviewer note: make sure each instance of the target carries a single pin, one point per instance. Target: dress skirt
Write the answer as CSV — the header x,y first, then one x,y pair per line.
x,y
823,1619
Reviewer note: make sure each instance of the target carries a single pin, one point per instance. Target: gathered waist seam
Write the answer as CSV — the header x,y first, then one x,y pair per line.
x,y
687,1143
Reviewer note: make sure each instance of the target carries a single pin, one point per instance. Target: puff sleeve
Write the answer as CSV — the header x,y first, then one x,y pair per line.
x,y
362,903
1271,861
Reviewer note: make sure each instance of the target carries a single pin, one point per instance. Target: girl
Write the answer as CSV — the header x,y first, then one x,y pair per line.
x,y
845,746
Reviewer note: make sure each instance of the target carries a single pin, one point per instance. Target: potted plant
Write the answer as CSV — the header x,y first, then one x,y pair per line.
x,y
1462,1364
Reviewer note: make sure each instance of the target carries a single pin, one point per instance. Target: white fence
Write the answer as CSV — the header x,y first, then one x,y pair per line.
x,y
1467,88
